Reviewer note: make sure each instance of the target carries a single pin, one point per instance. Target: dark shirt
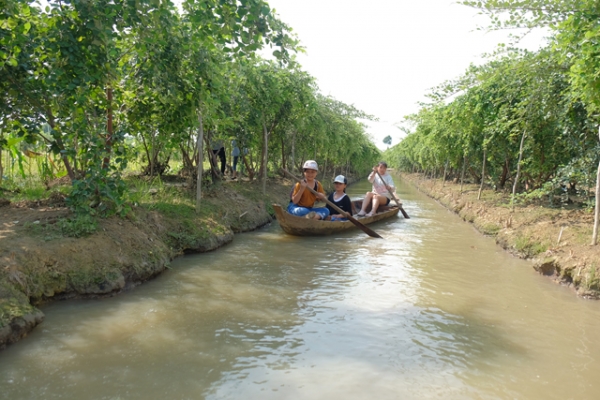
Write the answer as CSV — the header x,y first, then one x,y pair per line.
x,y
344,203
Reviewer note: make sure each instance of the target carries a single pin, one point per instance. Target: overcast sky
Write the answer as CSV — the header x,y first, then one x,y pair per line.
x,y
384,55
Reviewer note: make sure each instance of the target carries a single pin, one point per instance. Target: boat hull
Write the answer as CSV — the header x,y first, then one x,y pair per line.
x,y
301,226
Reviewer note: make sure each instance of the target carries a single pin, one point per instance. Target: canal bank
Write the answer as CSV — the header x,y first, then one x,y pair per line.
x,y
38,263
556,239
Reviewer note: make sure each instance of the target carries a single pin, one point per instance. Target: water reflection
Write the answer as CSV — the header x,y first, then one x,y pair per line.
x,y
434,310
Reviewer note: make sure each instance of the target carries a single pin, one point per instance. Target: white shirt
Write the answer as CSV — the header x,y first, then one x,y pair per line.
x,y
379,186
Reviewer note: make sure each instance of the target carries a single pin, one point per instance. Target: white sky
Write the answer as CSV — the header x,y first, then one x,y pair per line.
x,y
383,56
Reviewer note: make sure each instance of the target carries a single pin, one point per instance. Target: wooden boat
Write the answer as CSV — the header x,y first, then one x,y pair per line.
x,y
301,226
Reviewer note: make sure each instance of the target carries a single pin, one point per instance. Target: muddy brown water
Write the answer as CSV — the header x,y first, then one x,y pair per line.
x,y
433,311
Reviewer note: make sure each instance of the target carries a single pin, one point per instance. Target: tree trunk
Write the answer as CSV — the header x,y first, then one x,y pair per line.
x,y
199,140
252,165
294,149
248,167
108,143
512,200
1,168
61,146
445,171
283,153
147,150
153,154
215,172
597,208
188,164
264,157
462,175
482,174
474,174
504,176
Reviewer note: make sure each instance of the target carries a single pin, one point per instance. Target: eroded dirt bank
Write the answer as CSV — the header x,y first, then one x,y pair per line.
x,y
37,266
557,240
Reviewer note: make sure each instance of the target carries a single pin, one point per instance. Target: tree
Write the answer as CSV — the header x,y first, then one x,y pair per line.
x,y
387,140
97,71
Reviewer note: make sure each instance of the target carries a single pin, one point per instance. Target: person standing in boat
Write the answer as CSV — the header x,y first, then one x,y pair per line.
x,y
380,195
340,199
303,200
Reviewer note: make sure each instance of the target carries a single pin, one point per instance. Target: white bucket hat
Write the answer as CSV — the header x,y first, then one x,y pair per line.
x,y
311,164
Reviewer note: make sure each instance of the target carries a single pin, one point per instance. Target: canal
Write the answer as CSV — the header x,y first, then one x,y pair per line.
x,y
435,310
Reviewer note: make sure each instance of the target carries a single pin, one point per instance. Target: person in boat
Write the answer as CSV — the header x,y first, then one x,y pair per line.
x,y
340,199
302,202
380,194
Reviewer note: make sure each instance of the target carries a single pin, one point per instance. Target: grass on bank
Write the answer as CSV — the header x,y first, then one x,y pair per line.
x,y
169,195
174,201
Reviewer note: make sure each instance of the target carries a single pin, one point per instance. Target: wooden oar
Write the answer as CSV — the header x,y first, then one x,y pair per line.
x,y
389,189
364,228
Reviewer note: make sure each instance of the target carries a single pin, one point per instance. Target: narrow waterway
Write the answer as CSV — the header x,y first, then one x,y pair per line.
x,y
433,311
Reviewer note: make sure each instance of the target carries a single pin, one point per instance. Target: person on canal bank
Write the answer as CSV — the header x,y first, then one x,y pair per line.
x,y
340,199
380,194
235,153
219,150
302,202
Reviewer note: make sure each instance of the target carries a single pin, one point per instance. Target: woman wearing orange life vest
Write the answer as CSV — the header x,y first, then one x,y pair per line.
x,y
303,200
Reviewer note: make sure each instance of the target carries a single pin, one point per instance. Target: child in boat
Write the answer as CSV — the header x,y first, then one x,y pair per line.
x,y
380,194
303,200
340,199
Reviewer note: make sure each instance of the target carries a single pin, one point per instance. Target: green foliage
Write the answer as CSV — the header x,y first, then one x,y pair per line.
x,y
490,229
75,226
524,245
492,107
30,192
592,278
99,84
13,304
192,226
577,178
551,96
99,194
79,226
574,24
184,212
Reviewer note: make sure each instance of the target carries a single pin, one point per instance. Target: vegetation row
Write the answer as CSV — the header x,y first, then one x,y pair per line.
x,y
93,90
526,121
